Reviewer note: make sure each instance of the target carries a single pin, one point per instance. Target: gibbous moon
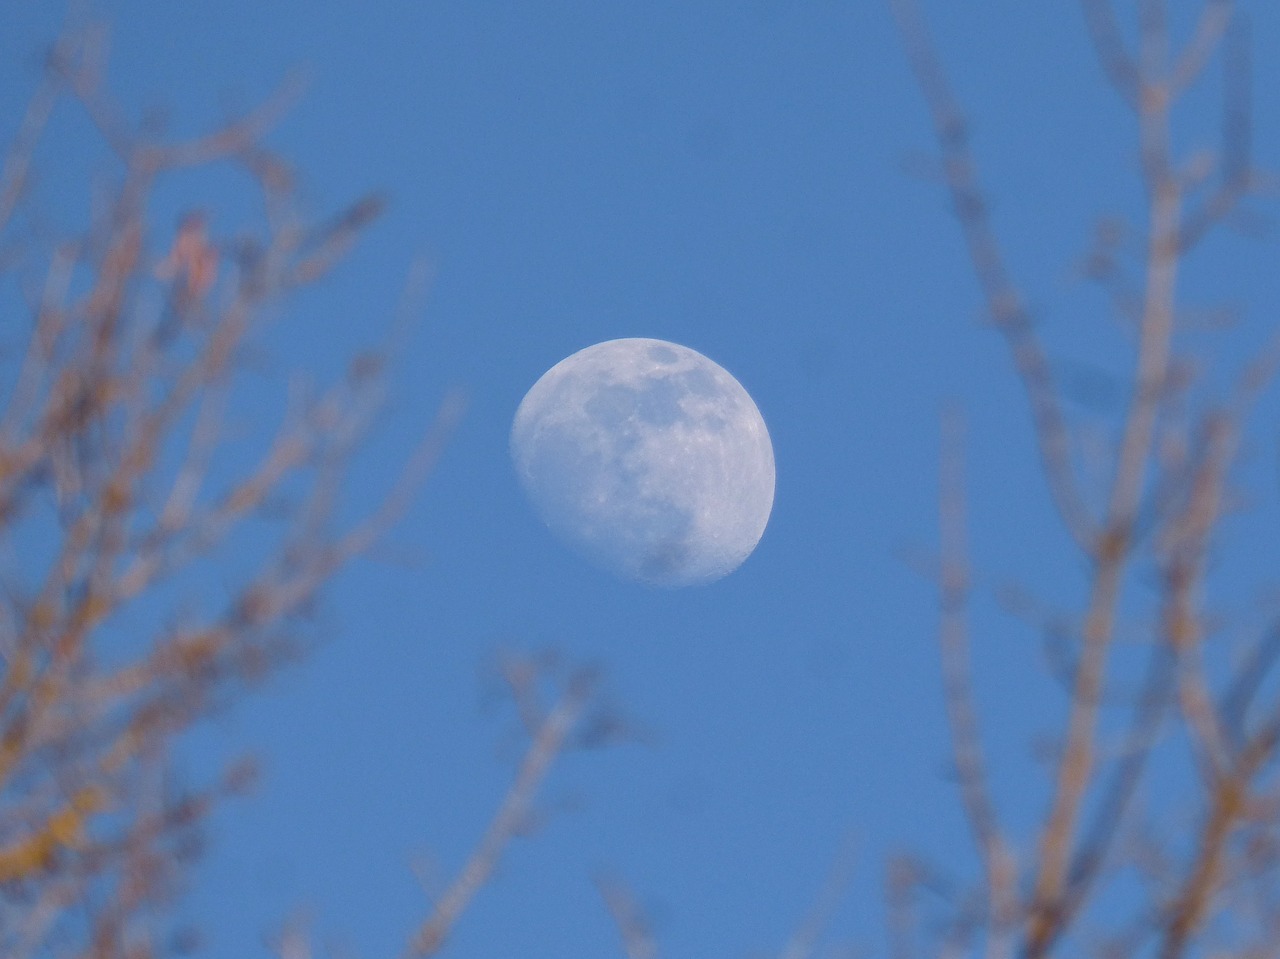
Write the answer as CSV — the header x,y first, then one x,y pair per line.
x,y
649,459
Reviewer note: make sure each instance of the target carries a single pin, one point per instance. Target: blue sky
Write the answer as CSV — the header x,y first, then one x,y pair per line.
x,y
736,177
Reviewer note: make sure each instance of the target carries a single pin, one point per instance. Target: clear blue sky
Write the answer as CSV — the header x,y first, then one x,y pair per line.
x,y
731,176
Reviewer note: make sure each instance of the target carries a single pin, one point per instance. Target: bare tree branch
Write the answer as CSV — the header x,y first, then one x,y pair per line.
x,y
997,862
804,941
1004,303
1108,42
548,741
1166,497
637,940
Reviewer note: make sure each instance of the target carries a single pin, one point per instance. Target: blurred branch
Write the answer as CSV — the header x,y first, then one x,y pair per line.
x,y
1215,16
1228,806
511,819
1166,496
1108,42
804,941
1004,303
997,862
110,440
900,895
1238,178
637,940
79,62
17,163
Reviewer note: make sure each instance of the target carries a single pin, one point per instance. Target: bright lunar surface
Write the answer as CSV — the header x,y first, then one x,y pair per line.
x,y
649,458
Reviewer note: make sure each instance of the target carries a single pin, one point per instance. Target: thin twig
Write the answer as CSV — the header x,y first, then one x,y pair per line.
x,y
804,940
1229,802
1212,24
633,928
953,636
17,164
1004,303
1108,42
1128,483
509,820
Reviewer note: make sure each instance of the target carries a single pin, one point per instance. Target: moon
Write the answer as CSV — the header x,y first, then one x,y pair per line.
x,y
647,458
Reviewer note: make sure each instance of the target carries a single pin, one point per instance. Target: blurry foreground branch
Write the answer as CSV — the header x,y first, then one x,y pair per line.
x,y
1160,517
154,567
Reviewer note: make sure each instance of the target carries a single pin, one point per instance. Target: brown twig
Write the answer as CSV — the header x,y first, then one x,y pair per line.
x,y
633,928
17,164
1215,17
804,941
547,743
997,862
1108,42
1112,551
1228,806
1005,305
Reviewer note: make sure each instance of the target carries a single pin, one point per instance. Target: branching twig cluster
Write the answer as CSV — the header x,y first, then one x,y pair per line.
x,y
1162,509
119,475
